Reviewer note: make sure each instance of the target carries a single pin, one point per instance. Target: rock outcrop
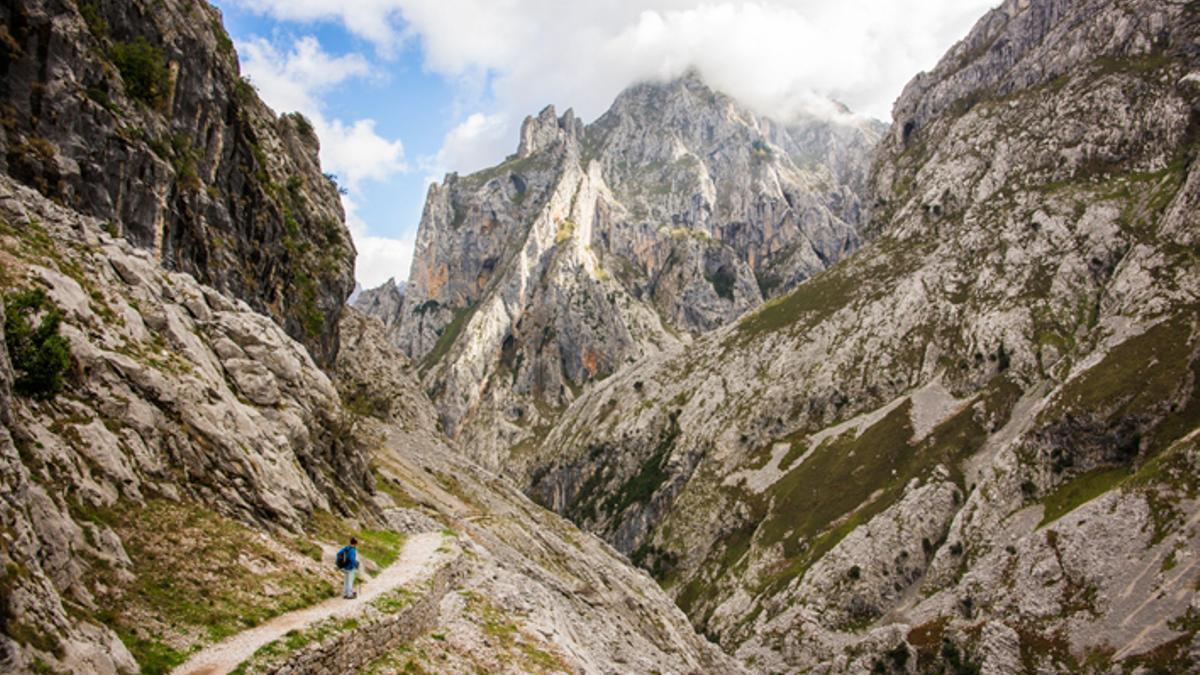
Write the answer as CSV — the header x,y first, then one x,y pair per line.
x,y
897,460
597,245
382,302
135,113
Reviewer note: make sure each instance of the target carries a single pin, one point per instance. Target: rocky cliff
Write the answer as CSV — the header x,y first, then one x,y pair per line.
x,y
181,412
973,442
596,245
135,113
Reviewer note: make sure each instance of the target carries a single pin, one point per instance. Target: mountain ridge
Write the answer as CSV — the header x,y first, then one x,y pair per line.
x,y
945,381
594,245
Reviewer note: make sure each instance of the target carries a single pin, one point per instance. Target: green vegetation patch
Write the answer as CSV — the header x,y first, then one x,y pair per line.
x,y
838,477
812,301
198,577
393,601
144,70
39,354
641,487
1081,490
448,335
1135,377
379,546
312,320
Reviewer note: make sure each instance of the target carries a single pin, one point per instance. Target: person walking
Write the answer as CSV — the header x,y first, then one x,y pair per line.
x,y
347,562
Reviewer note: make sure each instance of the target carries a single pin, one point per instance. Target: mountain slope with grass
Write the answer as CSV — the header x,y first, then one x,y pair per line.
x,y
972,441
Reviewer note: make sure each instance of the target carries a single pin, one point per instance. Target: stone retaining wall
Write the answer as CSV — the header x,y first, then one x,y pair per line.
x,y
349,651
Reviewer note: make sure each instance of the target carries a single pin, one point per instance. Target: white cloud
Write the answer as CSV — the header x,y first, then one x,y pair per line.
x,y
296,80
473,144
779,56
356,153
374,20
379,258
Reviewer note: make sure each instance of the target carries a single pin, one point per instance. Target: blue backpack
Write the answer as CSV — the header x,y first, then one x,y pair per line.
x,y
343,558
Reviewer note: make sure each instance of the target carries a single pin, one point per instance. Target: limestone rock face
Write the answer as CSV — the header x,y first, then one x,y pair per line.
x,y
175,391
595,246
383,302
135,113
903,448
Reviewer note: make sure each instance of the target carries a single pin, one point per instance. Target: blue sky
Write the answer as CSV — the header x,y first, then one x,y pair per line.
x,y
403,91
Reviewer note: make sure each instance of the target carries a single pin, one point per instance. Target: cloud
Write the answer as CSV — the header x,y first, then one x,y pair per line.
x,y
779,56
476,142
296,79
509,58
774,54
375,20
356,153
379,258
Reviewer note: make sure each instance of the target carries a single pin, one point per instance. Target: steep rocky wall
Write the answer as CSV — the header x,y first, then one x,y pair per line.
x,y
594,246
1019,337
174,392
135,113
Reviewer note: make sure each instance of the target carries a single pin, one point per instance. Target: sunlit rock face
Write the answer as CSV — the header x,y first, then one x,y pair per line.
x,y
596,245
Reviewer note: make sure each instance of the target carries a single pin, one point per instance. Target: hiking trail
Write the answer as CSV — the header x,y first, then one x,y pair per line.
x,y
420,558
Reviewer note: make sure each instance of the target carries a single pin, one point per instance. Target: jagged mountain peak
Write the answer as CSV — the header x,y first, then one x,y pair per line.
x,y
538,133
673,213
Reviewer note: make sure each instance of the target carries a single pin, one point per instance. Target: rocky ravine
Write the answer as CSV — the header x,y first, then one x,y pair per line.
x,y
135,112
596,245
187,416
183,484
981,427
566,592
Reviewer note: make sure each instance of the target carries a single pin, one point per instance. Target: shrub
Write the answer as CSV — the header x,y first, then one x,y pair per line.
x,y
303,126
96,23
144,70
224,43
39,355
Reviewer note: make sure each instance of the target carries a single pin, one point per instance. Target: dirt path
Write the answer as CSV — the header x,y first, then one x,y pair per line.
x,y
418,559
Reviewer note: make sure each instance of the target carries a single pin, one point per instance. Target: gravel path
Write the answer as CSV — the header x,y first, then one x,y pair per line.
x,y
418,559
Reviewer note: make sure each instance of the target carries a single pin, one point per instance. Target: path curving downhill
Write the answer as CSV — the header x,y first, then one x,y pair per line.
x,y
419,559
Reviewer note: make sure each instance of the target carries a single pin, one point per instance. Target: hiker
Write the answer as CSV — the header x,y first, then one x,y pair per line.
x,y
347,562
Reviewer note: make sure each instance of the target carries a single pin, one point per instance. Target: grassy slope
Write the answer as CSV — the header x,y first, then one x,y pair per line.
x,y
199,577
